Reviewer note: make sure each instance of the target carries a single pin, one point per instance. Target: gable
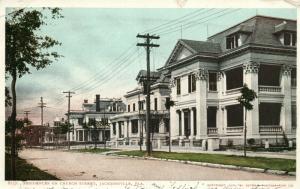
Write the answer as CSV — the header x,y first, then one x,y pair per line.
x,y
183,53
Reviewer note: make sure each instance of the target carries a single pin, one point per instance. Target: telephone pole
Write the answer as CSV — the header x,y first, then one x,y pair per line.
x,y
148,45
69,105
26,115
42,106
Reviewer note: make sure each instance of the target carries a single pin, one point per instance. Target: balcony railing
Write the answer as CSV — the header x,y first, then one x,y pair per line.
x,y
270,129
212,131
238,129
269,89
233,91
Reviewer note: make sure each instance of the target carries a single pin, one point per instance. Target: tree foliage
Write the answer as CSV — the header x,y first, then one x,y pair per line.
x,y
248,95
25,46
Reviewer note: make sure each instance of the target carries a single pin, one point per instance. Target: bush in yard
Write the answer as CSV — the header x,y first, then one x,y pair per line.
x,y
251,141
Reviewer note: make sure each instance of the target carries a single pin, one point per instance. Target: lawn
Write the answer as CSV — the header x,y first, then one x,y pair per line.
x,y
256,162
93,150
25,171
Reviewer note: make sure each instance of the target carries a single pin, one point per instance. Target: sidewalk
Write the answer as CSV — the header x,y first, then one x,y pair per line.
x,y
283,155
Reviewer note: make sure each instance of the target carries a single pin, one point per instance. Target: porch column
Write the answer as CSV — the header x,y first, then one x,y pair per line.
x,y
220,124
117,130
201,96
220,83
83,135
182,125
174,119
286,109
192,122
250,70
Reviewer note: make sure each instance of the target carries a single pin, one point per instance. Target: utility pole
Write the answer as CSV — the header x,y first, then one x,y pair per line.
x,y
69,104
42,106
26,115
148,45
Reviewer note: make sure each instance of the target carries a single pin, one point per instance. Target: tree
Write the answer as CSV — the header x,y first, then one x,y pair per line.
x,y
66,128
25,48
247,96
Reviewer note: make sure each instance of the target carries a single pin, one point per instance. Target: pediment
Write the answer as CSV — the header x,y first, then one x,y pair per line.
x,y
183,52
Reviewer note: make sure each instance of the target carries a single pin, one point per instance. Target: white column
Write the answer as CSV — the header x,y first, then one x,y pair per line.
x,y
182,124
117,130
161,126
286,109
220,124
251,79
129,127
192,122
201,97
83,135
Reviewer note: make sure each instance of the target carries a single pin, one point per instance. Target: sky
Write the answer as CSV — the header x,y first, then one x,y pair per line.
x,y
101,56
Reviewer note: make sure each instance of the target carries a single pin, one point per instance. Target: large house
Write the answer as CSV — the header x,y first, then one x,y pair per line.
x,y
206,78
91,124
129,128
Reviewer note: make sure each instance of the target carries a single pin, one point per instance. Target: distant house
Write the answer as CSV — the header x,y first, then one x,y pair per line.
x,y
92,122
206,78
129,128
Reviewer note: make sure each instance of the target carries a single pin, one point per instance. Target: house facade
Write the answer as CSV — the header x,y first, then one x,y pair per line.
x,y
129,128
91,124
206,78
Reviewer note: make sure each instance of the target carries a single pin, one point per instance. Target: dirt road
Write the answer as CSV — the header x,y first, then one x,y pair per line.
x,y
87,166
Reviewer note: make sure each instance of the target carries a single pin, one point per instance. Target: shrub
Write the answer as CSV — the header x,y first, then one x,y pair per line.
x,y
251,141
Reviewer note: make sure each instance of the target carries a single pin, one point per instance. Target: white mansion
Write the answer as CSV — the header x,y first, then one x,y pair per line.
x,y
206,78
129,128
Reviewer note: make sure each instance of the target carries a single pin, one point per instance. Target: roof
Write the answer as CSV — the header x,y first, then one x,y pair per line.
x,y
143,74
201,46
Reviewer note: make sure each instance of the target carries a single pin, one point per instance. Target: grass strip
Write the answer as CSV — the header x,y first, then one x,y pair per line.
x,y
255,162
25,171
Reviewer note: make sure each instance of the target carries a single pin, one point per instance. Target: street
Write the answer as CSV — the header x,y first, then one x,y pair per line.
x,y
86,166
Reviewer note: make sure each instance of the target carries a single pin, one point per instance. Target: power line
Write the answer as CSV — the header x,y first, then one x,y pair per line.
x,y
192,24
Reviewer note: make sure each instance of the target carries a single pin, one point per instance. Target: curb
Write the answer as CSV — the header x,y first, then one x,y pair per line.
x,y
213,165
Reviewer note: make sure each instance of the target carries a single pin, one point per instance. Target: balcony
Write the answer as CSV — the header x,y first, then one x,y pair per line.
x,y
270,129
269,89
233,130
212,131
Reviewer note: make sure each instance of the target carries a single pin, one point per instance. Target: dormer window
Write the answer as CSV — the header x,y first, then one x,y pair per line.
x,y
233,41
289,39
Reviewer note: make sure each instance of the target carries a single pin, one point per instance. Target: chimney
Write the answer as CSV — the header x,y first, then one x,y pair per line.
x,y
97,103
85,101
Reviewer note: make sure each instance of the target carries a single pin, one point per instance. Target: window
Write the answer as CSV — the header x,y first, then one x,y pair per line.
x,y
212,116
289,39
212,78
114,128
167,125
178,86
128,108
294,77
114,107
235,115
233,41
234,78
269,75
134,126
154,123
133,107
191,83
155,103
269,113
